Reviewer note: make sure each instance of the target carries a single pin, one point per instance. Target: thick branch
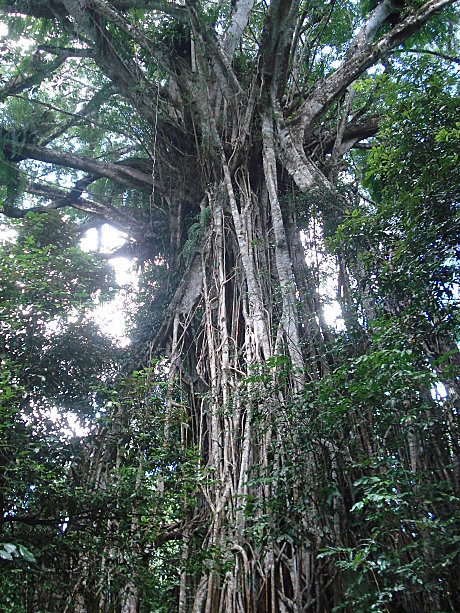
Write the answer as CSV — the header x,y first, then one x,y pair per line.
x,y
125,74
169,8
276,43
115,172
34,8
50,10
239,21
74,199
117,19
354,133
304,172
212,48
361,56
43,71
67,51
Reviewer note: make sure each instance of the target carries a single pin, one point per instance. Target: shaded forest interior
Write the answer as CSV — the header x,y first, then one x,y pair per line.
x,y
266,163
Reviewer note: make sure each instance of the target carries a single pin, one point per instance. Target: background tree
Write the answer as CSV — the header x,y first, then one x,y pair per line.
x,y
53,356
281,465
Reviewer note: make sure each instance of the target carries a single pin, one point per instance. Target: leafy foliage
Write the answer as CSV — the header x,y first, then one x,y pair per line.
x,y
240,454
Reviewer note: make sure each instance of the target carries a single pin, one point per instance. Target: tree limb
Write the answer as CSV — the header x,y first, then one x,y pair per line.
x,y
125,74
361,56
276,43
44,70
354,132
169,8
213,50
119,173
238,22
117,19
74,199
442,56
48,10
66,51
34,8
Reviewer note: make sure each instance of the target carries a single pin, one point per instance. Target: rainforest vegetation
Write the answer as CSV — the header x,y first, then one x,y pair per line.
x,y
277,430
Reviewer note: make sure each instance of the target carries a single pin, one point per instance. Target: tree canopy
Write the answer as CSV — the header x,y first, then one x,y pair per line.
x,y
264,159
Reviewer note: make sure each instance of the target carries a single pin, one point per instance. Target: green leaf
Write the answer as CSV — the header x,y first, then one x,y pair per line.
x,y
26,554
4,555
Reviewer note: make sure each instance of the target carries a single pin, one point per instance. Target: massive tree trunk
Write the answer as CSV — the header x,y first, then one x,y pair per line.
x,y
229,149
